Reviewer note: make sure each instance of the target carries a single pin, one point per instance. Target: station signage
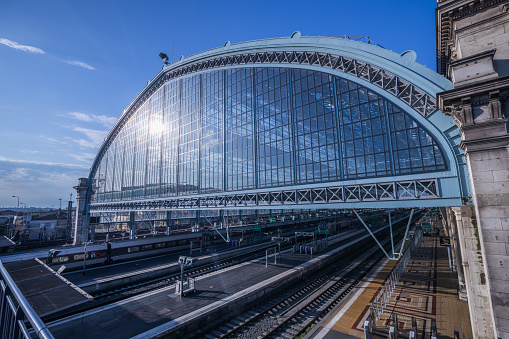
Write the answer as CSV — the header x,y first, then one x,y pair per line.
x,y
445,241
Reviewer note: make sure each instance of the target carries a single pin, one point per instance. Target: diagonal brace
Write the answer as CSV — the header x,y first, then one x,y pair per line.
x,y
380,245
214,227
392,237
406,232
152,230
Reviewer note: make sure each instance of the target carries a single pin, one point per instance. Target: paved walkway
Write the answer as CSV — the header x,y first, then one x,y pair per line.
x,y
426,290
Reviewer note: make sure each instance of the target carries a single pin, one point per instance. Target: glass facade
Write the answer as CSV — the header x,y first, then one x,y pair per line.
x,y
258,127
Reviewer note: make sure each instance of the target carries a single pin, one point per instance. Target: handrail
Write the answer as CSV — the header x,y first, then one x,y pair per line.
x,y
36,322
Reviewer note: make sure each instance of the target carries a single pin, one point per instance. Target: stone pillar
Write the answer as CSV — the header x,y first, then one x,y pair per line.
x,y
81,220
455,248
68,227
478,293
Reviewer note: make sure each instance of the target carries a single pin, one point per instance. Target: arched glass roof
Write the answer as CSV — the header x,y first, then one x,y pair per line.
x,y
277,123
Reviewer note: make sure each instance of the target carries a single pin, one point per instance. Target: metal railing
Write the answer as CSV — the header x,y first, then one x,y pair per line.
x,y
15,310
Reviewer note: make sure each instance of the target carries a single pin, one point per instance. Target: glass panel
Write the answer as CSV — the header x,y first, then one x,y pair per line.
x,y
189,141
274,135
239,157
169,158
211,149
363,124
177,141
317,149
417,150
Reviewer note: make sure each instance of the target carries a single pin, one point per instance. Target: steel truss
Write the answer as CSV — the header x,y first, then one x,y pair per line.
x,y
416,98
385,191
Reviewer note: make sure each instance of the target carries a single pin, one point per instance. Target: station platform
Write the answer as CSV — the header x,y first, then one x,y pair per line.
x,y
6,244
218,294
426,290
159,311
45,290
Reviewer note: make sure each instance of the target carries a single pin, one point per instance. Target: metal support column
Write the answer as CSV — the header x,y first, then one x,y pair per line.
x,y
132,225
168,222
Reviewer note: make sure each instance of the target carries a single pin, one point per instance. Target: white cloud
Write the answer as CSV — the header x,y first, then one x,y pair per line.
x,y
79,63
104,120
85,157
46,163
29,151
95,138
18,174
23,48
37,185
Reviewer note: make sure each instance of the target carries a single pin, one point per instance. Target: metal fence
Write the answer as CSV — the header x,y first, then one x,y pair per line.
x,y
15,311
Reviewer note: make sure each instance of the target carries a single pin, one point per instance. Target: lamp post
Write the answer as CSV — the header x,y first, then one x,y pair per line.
x,y
184,262
23,212
17,211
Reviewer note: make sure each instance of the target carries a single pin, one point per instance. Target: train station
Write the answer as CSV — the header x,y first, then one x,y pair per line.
x,y
293,187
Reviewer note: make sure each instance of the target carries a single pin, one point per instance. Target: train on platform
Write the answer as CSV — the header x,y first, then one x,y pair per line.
x,y
105,253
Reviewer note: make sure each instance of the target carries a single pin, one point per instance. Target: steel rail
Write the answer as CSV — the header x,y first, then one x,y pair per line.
x,y
250,318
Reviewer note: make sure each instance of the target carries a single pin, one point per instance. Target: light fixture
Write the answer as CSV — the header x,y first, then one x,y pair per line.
x,y
164,57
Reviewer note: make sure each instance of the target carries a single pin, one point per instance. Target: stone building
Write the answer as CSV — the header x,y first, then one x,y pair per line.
x,y
473,52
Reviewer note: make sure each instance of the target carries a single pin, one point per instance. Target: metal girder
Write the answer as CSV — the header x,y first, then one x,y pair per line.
x,y
416,98
392,238
372,235
317,196
406,231
151,229
227,233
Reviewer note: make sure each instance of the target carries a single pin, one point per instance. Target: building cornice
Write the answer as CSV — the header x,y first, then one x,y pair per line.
x,y
455,96
448,11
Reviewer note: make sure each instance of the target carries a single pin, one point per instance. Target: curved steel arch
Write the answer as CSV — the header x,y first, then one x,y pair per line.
x,y
396,77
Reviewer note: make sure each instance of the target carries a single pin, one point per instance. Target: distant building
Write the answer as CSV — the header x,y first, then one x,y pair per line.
x,y
41,226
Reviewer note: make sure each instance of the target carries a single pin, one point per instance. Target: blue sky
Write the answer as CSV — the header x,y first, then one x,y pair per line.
x,y
69,68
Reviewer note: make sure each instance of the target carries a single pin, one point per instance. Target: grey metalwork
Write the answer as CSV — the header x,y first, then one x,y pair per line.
x,y
316,196
371,233
148,226
318,128
392,238
293,123
12,317
395,323
183,262
213,226
406,231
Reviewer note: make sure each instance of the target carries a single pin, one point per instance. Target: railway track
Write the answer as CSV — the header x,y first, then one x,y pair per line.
x,y
270,316
291,312
308,312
